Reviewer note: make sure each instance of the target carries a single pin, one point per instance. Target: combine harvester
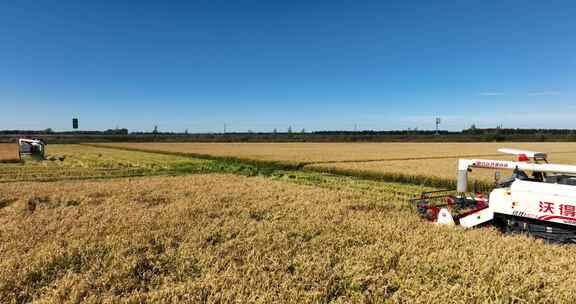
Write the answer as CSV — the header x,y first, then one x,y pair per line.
x,y
542,204
35,148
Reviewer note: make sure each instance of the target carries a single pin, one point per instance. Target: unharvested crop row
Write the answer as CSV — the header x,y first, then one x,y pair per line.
x,y
432,172
308,153
9,153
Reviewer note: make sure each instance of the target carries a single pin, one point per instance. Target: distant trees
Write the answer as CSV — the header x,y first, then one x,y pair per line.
x,y
472,129
122,131
471,134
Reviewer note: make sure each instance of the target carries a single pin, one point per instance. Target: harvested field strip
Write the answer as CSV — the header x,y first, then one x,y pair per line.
x,y
70,175
281,165
80,162
380,190
231,239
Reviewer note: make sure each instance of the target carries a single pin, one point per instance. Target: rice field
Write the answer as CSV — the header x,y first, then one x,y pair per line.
x,y
445,168
433,164
9,153
120,226
226,238
434,169
312,153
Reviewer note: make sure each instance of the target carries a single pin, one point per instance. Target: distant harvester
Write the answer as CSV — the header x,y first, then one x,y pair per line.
x,y
31,147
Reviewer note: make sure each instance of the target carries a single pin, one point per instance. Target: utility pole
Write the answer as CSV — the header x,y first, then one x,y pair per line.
x,y
438,121
224,128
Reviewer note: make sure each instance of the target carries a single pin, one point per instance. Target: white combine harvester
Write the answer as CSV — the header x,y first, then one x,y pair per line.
x,y
31,147
542,204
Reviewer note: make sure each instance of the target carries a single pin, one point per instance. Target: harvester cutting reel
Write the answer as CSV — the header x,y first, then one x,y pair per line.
x,y
450,208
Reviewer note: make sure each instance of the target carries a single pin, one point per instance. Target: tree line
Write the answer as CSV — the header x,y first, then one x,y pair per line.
x,y
469,135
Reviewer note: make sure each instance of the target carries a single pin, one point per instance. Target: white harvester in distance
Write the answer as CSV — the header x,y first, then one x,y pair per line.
x,y
31,147
542,204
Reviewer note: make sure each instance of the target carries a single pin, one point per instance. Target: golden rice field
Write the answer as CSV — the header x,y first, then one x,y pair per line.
x,y
225,238
9,153
431,163
279,236
338,152
444,168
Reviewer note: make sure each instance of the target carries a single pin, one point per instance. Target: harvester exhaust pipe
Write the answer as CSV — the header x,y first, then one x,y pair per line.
x,y
462,185
463,167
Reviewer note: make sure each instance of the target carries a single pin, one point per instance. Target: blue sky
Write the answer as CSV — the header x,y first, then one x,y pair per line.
x,y
260,65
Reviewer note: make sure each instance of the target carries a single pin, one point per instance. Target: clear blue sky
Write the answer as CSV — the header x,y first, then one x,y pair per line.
x,y
260,65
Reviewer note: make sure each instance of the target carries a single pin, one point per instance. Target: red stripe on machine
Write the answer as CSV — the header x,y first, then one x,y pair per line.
x,y
552,217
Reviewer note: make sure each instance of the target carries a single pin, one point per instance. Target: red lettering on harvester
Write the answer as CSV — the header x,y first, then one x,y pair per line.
x,y
546,207
568,210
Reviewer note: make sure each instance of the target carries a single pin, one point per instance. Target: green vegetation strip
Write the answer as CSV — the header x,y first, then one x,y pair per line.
x,y
250,167
259,163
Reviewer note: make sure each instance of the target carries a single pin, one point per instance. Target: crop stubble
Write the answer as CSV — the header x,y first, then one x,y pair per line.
x,y
78,161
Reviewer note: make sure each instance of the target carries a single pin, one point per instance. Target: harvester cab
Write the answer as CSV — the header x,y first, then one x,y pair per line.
x,y
538,198
34,148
